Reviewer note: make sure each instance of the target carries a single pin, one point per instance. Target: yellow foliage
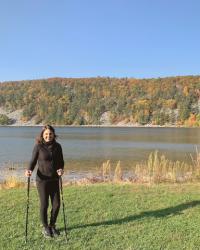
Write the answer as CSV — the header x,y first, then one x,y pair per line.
x,y
186,90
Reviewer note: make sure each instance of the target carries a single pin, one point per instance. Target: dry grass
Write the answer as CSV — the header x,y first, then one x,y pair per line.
x,y
118,175
106,170
158,169
12,182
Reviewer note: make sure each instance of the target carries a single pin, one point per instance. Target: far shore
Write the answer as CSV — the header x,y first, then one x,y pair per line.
x,y
16,115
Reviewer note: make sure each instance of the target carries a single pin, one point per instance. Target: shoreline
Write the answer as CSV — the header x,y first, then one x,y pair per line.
x,y
16,115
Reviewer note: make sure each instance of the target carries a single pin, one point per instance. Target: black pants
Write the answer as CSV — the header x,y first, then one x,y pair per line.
x,y
48,189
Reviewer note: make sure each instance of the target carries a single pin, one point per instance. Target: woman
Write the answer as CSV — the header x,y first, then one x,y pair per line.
x,y
47,153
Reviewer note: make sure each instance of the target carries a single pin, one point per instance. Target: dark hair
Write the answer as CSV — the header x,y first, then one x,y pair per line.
x,y
39,138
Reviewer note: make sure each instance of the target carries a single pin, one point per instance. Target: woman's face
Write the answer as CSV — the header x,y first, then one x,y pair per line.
x,y
48,135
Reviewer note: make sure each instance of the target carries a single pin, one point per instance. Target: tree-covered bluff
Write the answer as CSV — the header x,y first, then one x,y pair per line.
x,y
114,101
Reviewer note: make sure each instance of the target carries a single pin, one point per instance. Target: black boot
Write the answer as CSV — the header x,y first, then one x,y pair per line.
x,y
55,232
47,232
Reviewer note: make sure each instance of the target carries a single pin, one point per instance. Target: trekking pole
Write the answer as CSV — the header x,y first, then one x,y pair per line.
x,y
63,205
27,208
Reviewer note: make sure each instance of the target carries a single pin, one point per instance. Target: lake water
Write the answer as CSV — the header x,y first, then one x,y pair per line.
x,y
86,148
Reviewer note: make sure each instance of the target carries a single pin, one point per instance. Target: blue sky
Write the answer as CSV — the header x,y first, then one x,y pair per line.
x,y
88,38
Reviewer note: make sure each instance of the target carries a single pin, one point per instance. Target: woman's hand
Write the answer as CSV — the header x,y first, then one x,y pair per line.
x,y
60,172
28,173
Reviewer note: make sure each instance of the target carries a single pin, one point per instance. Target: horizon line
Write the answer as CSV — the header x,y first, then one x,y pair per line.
x,y
90,77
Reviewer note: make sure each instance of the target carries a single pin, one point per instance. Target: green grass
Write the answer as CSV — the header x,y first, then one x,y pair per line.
x,y
108,216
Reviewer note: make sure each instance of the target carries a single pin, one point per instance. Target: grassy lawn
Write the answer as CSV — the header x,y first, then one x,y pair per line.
x,y
108,216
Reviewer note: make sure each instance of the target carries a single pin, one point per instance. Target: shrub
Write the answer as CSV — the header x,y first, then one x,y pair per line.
x,y
5,120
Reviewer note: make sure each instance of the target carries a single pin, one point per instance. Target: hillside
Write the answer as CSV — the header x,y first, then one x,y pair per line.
x,y
171,101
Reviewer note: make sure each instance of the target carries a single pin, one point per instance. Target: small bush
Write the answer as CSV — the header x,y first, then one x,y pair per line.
x,y
5,120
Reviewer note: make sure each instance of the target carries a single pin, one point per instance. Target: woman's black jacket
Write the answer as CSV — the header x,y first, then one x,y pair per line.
x,y
49,158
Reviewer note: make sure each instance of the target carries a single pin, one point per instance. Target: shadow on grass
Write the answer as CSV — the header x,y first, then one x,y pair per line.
x,y
170,211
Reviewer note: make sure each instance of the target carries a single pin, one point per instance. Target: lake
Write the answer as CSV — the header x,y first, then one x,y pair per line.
x,y
86,148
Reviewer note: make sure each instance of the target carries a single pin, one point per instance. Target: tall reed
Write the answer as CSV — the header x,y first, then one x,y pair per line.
x,y
158,169
106,170
118,175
